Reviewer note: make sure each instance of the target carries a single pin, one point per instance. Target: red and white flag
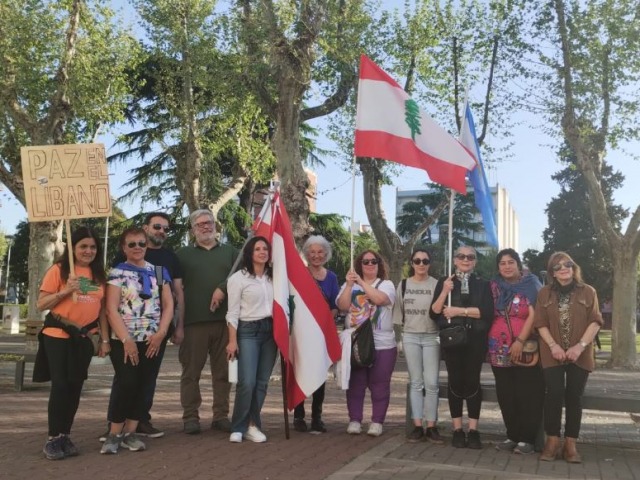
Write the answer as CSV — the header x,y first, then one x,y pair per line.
x,y
391,126
303,325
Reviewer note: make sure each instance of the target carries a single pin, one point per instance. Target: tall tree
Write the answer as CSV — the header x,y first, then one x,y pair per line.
x,y
62,76
592,51
297,53
570,227
198,130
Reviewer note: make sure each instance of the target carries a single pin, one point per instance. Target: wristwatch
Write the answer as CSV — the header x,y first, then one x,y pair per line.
x,y
583,344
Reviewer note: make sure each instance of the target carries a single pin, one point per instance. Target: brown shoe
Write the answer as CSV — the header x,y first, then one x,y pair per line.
x,y
551,447
569,452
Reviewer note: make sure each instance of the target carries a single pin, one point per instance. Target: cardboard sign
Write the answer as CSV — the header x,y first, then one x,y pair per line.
x,y
66,182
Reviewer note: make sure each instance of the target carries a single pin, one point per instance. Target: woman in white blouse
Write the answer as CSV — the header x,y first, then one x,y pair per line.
x,y
250,323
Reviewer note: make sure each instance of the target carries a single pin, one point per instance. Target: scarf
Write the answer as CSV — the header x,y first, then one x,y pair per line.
x,y
563,288
464,282
528,286
145,275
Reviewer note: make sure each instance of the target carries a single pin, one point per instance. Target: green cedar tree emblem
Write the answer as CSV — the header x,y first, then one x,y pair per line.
x,y
87,285
292,307
412,117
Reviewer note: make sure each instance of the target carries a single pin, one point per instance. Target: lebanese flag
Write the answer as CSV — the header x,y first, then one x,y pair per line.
x,y
303,326
262,225
391,126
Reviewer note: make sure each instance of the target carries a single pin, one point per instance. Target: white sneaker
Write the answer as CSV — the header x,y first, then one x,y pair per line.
x,y
354,428
235,437
375,429
255,435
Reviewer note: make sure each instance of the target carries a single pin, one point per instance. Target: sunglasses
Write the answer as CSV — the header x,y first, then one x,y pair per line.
x,y
372,261
157,226
461,256
418,261
139,244
204,224
558,266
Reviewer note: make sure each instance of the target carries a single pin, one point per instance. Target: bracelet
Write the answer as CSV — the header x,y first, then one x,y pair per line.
x,y
552,344
517,339
105,341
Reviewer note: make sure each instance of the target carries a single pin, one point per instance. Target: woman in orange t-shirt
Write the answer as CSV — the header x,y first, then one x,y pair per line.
x,y
76,308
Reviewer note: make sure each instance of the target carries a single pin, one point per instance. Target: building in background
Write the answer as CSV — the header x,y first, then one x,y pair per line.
x,y
506,218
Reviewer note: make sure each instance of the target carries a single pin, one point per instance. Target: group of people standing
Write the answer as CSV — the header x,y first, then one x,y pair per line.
x,y
500,316
152,294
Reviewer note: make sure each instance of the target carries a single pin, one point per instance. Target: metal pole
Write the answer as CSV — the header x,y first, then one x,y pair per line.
x,y
106,240
6,285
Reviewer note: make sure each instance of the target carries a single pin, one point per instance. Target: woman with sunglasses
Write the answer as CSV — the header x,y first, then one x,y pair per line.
x,y
567,319
472,306
139,311
367,295
421,345
75,300
520,389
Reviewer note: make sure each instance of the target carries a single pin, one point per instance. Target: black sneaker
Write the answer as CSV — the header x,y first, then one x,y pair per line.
x,y
145,429
224,425
473,440
433,436
317,426
68,447
299,425
416,435
53,448
459,439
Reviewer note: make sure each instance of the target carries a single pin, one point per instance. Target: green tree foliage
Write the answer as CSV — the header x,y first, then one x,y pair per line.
x,y
199,131
63,75
570,227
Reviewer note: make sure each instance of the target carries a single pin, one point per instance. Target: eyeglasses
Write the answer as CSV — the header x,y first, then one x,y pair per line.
x,y
461,256
418,261
157,226
202,225
139,244
559,266
370,261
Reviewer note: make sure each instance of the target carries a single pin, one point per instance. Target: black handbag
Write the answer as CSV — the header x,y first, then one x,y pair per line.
x,y
363,349
454,335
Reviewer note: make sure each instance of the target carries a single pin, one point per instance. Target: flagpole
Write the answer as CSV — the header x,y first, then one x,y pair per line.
x,y
353,204
450,238
283,377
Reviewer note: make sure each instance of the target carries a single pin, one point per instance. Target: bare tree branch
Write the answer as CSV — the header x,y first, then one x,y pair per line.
x,y
232,190
487,98
428,221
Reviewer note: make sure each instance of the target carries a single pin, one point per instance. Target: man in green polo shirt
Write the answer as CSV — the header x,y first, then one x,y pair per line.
x,y
205,267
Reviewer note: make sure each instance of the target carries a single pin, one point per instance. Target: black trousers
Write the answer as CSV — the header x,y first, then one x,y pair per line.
x,y
64,397
150,387
564,383
464,365
520,392
133,382
316,405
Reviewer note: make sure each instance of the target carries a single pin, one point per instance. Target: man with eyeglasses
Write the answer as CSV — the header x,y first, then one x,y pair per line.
x,y
205,265
156,226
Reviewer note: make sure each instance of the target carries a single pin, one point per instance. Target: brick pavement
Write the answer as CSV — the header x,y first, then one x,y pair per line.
x,y
610,443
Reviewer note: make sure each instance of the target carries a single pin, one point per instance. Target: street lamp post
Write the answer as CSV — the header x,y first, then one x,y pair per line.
x,y
6,280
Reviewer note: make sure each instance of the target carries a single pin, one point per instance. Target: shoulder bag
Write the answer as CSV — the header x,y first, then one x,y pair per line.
x,y
530,354
363,347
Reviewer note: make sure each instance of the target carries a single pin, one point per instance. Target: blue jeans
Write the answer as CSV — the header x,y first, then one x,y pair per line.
x,y
422,351
256,357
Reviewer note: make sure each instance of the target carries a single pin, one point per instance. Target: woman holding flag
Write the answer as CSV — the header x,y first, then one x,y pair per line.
x,y
250,323
367,295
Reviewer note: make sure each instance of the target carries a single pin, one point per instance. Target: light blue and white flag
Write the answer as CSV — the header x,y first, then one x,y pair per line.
x,y
484,200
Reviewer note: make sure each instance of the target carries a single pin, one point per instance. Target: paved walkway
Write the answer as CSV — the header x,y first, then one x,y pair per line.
x,y
609,443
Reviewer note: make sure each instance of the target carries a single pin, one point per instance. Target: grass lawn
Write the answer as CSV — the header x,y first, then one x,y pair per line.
x,y
605,340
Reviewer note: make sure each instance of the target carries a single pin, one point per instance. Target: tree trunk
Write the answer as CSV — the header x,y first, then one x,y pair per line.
x,y
45,245
286,147
623,328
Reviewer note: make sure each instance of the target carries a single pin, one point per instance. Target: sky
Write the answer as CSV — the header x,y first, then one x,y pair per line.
x,y
526,175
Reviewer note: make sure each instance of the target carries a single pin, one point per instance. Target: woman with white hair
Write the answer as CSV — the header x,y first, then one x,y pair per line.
x,y
317,252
